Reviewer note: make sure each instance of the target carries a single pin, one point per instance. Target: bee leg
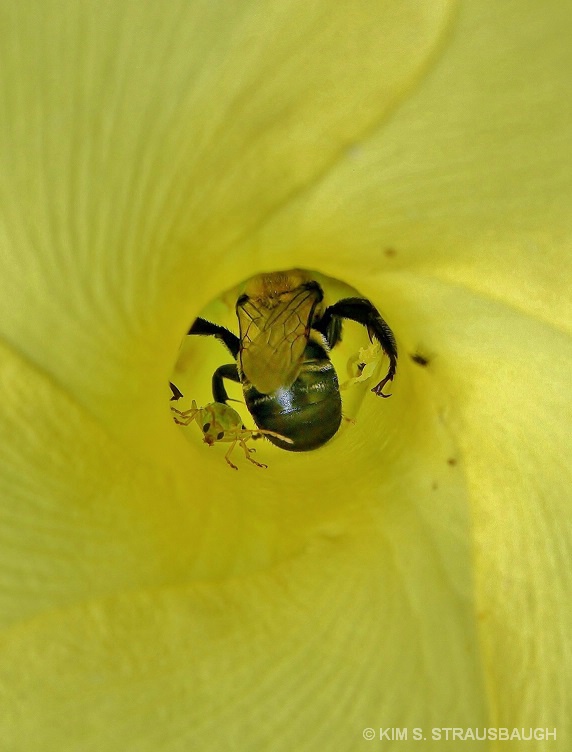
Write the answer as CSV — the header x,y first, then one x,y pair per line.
x,y
260,432
333,331
208,329
363,312
229,372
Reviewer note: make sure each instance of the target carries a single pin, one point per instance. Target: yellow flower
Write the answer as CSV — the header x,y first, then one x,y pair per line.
x,y
415,572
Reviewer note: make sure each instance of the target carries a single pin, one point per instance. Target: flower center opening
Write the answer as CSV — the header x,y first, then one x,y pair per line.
x,y
289,354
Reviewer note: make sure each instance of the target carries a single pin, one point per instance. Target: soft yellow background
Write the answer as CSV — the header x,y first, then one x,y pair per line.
x,y
416,571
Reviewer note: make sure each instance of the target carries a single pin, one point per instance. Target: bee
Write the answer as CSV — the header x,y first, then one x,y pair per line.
x,y
220,422
282,356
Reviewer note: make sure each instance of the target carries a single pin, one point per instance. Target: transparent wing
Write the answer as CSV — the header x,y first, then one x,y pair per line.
x,y
274,332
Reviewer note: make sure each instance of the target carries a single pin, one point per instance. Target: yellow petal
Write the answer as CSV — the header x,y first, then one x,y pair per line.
x,y
311,600
126,516
365,628
340,611
460,208
140,140
470,179
81,515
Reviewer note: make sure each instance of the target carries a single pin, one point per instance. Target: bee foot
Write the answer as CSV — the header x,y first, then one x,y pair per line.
x,y
378,389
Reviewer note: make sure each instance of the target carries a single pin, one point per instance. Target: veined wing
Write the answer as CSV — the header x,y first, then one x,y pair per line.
x,y
274,331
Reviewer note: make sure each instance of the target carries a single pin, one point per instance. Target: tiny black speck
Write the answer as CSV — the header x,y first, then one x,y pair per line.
x,y
421,360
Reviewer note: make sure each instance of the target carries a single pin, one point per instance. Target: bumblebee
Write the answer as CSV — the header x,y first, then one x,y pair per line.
x,y
282,356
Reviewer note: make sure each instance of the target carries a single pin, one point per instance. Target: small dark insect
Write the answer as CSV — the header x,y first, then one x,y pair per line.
x,y
421,360
177,394
282,356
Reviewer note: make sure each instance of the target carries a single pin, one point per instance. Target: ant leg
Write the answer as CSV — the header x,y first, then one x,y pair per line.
x,y
227,455
187,415
248,451
184,422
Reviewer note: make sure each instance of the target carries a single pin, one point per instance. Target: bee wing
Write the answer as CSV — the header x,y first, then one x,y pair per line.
x,y
273,336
